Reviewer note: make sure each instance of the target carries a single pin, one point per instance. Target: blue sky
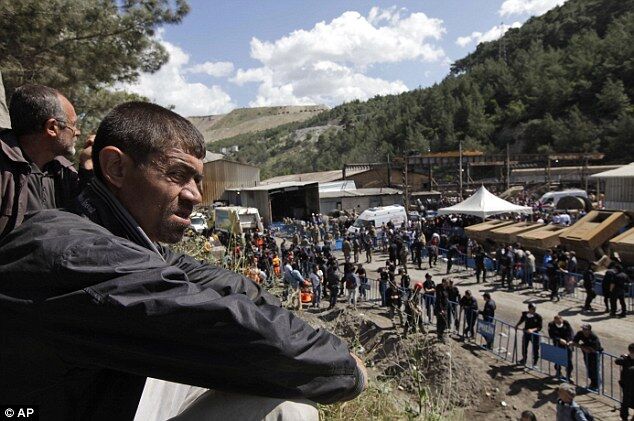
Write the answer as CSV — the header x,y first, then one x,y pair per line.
x,y
243,53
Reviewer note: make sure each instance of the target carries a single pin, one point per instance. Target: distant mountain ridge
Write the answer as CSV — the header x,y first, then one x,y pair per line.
x,y
249,120
563,82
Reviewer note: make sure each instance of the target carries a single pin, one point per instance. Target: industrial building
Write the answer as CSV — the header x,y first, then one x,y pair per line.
x,y
359,199
618,187
275,201
363,176
220,174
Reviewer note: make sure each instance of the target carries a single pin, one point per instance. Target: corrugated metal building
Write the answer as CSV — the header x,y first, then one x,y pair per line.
x,y
221,174
359,199
289,199
619,187
363,177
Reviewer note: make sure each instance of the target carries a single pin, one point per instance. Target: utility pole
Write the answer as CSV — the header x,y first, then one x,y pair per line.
x,y
460,166
405,184
508,168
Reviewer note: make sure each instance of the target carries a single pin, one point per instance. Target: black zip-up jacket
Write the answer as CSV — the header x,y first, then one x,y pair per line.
x,y
534,322
556,333
86,315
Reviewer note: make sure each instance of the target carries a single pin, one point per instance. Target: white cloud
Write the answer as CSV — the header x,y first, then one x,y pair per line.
x,y
168,87
490,35
216,69
328,63
528,7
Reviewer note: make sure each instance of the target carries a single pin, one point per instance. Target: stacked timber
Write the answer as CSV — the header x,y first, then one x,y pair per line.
x,y
623,244
508,233
541,239
480,232
587,237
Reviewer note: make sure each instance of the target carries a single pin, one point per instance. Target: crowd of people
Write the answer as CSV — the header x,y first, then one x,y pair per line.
x,y
309,263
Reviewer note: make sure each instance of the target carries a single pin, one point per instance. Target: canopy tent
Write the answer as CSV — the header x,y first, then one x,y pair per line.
x,y
483,203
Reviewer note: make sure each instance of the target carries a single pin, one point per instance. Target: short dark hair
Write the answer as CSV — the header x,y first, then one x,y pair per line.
x,y
530,415
31,106
140,129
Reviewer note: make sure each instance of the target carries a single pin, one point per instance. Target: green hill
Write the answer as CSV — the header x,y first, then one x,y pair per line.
x,y
563,82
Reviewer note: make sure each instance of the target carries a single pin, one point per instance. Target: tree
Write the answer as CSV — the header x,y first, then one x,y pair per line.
x,y
83,47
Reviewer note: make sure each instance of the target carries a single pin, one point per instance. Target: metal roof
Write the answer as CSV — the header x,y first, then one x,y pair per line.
x,y
318,177
374,191
213,157
626,171
274,186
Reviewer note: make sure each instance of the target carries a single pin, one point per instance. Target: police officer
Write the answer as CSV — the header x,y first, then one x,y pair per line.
x,y
617,290
532,326
560,333
488,315
627,381
591,347
470,308
479,265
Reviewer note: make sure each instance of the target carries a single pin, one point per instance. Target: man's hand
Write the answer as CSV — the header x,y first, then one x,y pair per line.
x,y
363,370
85,156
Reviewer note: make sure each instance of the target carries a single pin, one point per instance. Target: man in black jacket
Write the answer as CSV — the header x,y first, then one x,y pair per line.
x,y
591,347
488,315
91,305
619,283
627,381
560,333
470,308
532,326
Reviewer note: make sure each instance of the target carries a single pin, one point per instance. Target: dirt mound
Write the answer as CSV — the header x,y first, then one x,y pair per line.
x,y
427,370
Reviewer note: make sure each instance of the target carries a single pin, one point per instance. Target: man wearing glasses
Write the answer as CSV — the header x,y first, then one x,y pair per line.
x,y
35,173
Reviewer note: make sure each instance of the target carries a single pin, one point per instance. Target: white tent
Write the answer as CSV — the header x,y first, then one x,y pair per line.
x,y
483,203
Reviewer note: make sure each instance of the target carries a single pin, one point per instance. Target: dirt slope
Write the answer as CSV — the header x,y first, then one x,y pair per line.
x,y
246,120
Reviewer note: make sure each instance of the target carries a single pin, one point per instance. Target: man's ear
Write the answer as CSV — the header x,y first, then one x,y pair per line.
x,y
114,165
49,127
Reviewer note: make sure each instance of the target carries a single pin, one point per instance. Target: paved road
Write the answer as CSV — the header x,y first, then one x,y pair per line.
x,y
615,334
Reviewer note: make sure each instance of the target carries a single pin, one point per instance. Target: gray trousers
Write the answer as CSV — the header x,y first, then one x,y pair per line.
x,y
163,400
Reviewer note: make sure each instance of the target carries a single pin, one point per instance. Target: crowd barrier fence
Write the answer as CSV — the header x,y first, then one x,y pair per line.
x,y
504,340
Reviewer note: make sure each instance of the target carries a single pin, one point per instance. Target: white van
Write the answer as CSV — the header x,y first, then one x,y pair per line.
x,y
377,216
237,219
551,198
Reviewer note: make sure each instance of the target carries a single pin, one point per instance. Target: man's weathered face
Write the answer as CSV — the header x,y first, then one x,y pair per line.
x,y
162,193
67,136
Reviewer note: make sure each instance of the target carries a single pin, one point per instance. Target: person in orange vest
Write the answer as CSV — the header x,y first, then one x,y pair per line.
x,y
277,269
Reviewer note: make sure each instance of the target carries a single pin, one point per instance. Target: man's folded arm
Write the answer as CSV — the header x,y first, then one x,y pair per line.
x,y
157,324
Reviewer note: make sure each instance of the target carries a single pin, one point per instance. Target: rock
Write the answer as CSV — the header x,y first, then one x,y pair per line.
x,y
504,404
488,394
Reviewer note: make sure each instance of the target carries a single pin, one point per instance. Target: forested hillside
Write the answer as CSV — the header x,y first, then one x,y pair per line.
x,y
563,81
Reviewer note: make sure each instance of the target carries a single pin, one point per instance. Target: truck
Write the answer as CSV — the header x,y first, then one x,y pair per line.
x,y
237,219
551,198
377,216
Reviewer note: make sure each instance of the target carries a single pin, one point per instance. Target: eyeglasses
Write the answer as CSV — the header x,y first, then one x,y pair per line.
x,y
67,125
